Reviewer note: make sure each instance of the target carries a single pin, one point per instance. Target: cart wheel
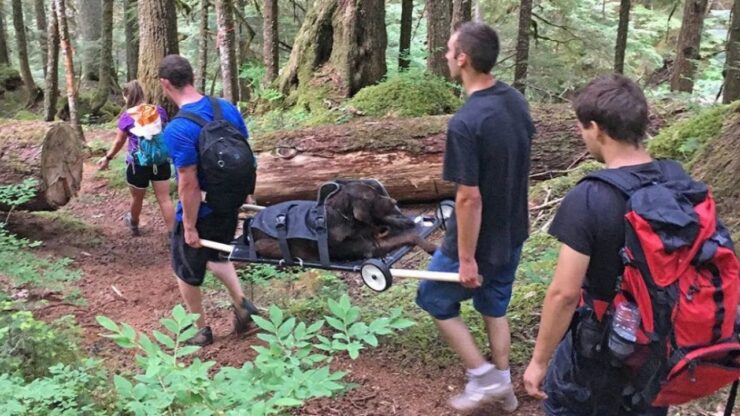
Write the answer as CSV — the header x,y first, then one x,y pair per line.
x,y
445,210
376,275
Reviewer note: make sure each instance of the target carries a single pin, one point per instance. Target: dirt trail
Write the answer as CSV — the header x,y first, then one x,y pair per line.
x,y
139,270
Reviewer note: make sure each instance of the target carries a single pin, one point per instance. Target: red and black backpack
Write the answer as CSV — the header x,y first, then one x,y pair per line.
x,y
681,271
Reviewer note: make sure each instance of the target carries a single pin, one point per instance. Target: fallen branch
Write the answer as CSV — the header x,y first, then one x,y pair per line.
x,y
547,204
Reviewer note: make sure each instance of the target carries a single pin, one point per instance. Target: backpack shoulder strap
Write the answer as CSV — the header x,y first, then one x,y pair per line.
x,y
626,182
192,117
216,107
671,170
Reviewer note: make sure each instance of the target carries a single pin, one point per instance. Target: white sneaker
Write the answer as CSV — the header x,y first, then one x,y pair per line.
x,y
510,403
475,394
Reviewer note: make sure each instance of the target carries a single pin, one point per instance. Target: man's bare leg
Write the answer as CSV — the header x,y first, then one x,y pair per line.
x,y
500,339
193,301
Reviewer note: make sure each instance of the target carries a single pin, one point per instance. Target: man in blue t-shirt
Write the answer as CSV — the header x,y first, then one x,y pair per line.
x,y
195,219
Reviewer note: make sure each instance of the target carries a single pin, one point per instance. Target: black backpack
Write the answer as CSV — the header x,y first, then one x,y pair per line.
x,y
226,160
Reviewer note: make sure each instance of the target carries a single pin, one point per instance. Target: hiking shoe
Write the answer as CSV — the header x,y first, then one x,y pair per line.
x,y
202,338
133,227
482,389
510,403
243,316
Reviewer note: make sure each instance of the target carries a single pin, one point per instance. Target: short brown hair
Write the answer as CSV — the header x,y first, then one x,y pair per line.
x,y
134,93
480,42
176,70
617,105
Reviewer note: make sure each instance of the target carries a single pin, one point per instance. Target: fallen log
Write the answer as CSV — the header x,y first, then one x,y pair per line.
x,y
52,153
405,154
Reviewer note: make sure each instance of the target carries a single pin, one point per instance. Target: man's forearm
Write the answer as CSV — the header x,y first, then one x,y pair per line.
x,y
468,212
556,317
190,199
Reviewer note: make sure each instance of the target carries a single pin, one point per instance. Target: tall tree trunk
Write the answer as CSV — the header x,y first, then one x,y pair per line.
x,y
106,59
52,68
131,29
20,37
732,65
227,56
241,47
41,28
476,11
157,39
89,19
461,13
346,38
201,73
622,30
404,42
4,55
522,46
682,78
270,40
438,33
69,67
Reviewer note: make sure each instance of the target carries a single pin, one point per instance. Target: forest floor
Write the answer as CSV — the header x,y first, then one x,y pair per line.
x,y
130,280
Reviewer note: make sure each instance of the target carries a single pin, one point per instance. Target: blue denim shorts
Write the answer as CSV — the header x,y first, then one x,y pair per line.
x,y
442,299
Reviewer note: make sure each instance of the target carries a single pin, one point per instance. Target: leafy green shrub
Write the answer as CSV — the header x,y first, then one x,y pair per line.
x,y
28,347
291,368
67,390
16,195
408,94
684,139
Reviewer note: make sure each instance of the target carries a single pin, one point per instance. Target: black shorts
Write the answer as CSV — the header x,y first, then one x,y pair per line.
x,y
189,263
139,176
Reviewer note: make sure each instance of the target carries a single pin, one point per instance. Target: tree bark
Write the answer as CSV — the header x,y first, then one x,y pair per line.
x,y
332,40
41,28
20,36
461,13
476,11
201,73
4,55
131,28
89,19
404,42
522,46
157,39
622,31
69,67
227,56
241,48
688,52
105,75
405,154
732,65
438,33
52,153
270,40
52,70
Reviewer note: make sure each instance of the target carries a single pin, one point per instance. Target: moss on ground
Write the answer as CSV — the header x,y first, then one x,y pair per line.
x,y
683,140
409,94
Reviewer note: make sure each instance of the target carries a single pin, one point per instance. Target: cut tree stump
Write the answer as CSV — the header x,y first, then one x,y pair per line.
x,y
52,153
405,154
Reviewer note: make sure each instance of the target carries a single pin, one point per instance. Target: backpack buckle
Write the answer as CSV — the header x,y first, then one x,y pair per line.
x,y
626,256
320,223
280,221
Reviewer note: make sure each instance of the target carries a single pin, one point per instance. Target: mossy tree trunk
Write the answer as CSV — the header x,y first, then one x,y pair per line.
x,y
69,67
157,39
404,42
89,29
732,65
107,82
688,51
201,72
52,69
41,28
270,40
131,29
226,49
4,55
344,39
461,13
521,64
438,33
622,30
22,46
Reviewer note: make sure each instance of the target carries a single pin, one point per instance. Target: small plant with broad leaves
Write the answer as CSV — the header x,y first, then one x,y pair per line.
x,y
16,195
289,369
